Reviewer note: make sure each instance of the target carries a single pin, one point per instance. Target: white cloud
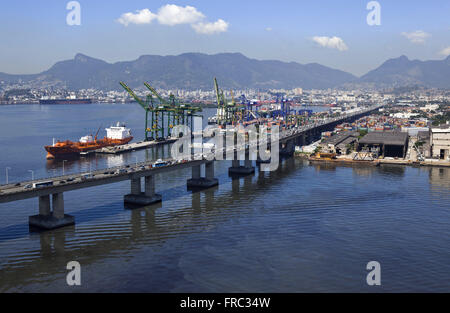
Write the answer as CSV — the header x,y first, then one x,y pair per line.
x,y
172,14
418,36
331,42
269,29
445,52
144,16
219,26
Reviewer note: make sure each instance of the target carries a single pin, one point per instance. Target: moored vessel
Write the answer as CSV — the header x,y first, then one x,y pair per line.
x,y
115,135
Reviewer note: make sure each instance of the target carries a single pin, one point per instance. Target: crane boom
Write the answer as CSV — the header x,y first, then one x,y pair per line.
x,y
161,99
216,86
139,100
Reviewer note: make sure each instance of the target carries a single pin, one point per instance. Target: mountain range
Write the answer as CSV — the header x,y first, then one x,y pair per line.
x,y
233,70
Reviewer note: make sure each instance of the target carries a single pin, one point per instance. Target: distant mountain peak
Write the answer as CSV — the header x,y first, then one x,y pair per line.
x,y
82,58
403,59
404,72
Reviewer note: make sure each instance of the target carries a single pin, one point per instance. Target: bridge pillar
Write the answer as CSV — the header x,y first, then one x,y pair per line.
x,y
137,198
237,170
44,205
58,205
261,161
136,186
149,186
209,170
196,170
51,220
198,182
288,149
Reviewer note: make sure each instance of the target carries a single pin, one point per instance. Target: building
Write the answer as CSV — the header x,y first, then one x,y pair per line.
x,y
390,144
440,142
339,143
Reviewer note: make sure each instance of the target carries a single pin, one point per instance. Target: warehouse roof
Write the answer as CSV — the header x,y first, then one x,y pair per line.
x,y
347,141
423,135
385,138
337,139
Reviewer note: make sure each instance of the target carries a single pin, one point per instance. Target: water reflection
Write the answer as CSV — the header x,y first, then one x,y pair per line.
x,y
440,177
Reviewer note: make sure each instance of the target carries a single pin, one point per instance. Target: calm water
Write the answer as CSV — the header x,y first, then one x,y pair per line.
x,y
302,228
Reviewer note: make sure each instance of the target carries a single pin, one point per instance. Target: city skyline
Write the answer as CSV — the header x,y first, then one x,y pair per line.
x,y
331,34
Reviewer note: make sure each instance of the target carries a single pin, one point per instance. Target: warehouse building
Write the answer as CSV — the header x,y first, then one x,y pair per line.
x,y
440,142
390,144
338,143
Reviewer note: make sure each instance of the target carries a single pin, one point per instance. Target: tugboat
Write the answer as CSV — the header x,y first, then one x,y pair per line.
x,y
115,135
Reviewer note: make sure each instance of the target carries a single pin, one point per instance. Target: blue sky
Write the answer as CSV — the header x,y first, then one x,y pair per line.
x,y
35,34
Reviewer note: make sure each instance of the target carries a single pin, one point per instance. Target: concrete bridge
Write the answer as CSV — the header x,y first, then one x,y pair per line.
x,y
51,198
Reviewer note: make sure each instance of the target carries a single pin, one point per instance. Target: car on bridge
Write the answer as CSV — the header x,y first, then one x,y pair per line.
x,y
159,163
42,184
87,176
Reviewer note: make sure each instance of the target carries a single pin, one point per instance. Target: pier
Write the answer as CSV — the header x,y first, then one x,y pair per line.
x,y
133,146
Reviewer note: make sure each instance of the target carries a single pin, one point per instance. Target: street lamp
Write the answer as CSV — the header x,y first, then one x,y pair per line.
x,y
63,166
32,175
136,161
8,168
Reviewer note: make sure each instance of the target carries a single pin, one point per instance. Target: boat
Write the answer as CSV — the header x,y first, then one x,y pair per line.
x,y
115,135
65,101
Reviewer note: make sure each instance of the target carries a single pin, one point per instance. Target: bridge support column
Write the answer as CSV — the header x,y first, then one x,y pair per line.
x,y
261,161
237,170
288,149
196,170
137,198
51,220
44,205
136,186
198,182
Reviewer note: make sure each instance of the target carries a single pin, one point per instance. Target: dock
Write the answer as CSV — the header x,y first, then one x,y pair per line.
x,y
133,146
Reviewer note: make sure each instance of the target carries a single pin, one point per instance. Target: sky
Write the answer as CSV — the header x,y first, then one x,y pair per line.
x,y
36,34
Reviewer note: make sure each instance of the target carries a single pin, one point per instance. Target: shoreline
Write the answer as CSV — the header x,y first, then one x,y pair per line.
x,y
375,163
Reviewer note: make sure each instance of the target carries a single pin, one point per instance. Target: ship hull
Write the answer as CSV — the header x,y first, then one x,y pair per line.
x,y
71,149
65,101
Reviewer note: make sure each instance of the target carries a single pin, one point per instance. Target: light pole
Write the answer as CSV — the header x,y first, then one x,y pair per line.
x,y
136,161
8,168
32,175
64,161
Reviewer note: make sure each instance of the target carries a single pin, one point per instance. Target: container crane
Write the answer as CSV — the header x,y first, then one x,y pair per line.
x,y
146,105
182,113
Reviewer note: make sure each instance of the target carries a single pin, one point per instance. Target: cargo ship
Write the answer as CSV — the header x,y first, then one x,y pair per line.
x,y
65,101
115,135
